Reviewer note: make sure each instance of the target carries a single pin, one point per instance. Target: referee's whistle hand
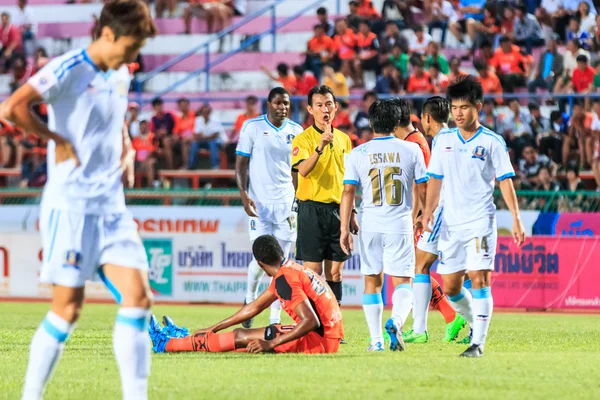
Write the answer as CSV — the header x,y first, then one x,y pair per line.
x,y
346,241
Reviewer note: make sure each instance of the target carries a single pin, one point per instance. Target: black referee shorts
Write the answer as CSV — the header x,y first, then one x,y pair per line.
x,y
319,232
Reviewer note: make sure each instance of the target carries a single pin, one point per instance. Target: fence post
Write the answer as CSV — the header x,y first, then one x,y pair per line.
x,y
274,27
338,8
207,68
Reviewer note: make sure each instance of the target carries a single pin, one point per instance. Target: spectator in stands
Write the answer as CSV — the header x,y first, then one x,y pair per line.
x,y
455,71
597,76
472,11
531,164
489,80
390,81
508,63
304,81
366,135
578,144
575,32
552,143
439,81
283,77
33,168
545,182
184,127
132,119
486,51
546,14
334,78
7,131
487,28
596,142
208,134
573,51
550,66
419,41
361,121
488,117
22,71
507,23
396,11
434,56
319,50
40,59
160,5
25,21
367,11
163,124
325,22
527,30
217,14
146,147
10,41
251,111
343,122
516,129
400,61
367,46
440,14
345,45
583,77
587,18
353,19
390,38
419,83
573,183
540,125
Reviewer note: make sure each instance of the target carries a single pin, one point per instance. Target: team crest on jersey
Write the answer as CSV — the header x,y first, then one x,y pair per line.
x,y
479,152
72,259
289,138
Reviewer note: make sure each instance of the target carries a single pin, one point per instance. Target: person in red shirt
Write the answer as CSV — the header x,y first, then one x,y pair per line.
x,y
284,77
455,71
146,147
345,44
439,81
419,82
10,38
367,11
319,50
367,52
343,122
304,296
185,119
582,80
304,81
22,71
489,80
251,111
509,65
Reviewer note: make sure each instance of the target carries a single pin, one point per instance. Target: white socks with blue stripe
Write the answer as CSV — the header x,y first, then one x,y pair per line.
x,y
373,308
463,304
402,301
46,348
132,351
255,274
483,304
422,293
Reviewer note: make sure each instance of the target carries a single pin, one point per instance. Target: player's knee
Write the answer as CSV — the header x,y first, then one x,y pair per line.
x,y
333,276
141,299
451,289
421,268
70,312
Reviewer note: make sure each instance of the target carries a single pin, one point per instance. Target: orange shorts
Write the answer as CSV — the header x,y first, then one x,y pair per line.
x,y
313,343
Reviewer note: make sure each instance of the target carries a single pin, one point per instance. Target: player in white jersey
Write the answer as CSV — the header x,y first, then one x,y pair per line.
x,y
264,178
468,159
84,225
385,168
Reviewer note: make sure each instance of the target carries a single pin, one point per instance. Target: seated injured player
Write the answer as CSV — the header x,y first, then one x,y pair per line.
x,y
303,295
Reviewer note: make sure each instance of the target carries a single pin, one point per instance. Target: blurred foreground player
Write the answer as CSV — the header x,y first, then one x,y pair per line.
x,y
84,224
468,159
303,295
385,169
263,170
427,291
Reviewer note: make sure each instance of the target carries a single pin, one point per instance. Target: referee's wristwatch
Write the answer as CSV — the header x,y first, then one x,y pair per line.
x,y
319,152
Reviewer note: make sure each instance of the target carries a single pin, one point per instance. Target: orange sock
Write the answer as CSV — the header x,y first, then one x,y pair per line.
x,y
209,342
440,302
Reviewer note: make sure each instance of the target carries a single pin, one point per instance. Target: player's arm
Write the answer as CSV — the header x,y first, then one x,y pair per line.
x,y
346,207
308,323
128,159
248,311
243,152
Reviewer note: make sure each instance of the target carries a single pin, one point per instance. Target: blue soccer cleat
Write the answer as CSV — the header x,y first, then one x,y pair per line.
x,y
376,347
395,331
172,330
158,336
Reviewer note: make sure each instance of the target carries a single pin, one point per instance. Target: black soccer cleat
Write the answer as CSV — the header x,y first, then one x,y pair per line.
x,y
343,341
474,351
247,323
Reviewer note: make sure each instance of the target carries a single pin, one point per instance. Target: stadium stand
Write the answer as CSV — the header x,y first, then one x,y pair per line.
x,y
522,52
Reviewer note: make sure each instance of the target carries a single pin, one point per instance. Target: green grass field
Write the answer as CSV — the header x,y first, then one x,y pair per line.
x,y
528,356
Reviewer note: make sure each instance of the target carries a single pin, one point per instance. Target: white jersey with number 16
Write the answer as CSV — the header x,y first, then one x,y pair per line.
x,y
385,168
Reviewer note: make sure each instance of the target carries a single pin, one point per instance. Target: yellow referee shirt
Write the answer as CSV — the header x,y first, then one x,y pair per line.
x,y
325,183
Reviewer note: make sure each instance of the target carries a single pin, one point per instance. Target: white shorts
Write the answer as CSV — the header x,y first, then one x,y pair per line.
x,y
470,249
391,253
274,219
429,240
76,245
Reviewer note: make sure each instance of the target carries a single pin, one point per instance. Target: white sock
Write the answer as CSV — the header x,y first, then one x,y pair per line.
x,y
255,274
422,293
275,316
132,351
463,304
483,305
46,348
402,300
373,308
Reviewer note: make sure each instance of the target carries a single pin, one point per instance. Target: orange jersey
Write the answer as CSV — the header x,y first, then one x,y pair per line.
x,y
345,45
143,146
508,63
418,138
295,283
419,84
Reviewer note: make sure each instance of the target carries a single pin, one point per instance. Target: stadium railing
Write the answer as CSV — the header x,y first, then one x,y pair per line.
x,y
208,63
583,201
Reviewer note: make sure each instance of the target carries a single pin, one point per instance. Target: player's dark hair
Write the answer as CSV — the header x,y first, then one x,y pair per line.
x,y
266,249
582,58
368,94
384,116
127,18
405,111
157,101
323,90
321,11
439,109
465,88
276,92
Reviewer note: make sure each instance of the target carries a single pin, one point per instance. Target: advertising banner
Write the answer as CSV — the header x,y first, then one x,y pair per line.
x,y
578,225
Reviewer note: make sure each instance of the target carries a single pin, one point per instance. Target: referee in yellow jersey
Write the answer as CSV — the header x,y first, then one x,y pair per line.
x,y
318,156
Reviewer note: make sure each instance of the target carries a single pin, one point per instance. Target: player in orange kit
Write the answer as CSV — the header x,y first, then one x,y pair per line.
x,y
424,259
303,295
